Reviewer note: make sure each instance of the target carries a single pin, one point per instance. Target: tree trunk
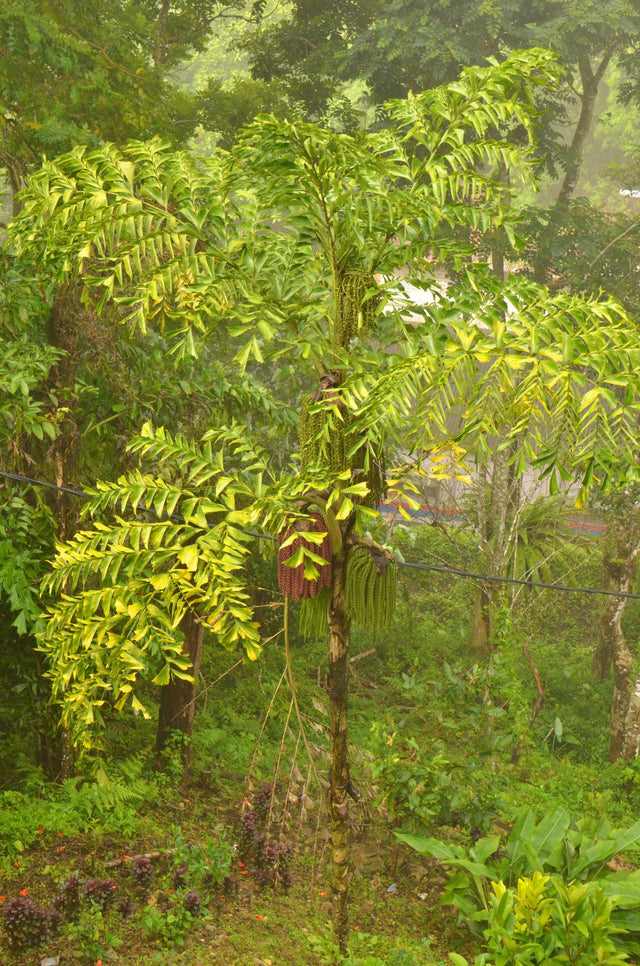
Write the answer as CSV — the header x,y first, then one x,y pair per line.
x,y
631,738
590,80
178,698
621,549
160,39
622,661
65,332
497,262
481,620
66,324
601,661
339,782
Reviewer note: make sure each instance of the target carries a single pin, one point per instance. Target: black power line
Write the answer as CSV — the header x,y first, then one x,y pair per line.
x,y
516,580
48,486
454,571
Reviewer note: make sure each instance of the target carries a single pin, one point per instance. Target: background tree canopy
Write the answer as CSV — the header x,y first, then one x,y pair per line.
x,y
84,73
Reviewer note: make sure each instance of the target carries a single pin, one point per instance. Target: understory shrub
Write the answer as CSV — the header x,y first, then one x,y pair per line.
x,y
26,924
572,854
544,920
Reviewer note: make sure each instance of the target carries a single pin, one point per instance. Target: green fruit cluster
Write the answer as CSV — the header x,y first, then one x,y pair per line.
x,y
371,588
312,623
320,444
354,314
374,476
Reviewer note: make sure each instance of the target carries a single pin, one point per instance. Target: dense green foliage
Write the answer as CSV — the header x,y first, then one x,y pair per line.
x,y
373,283
77,72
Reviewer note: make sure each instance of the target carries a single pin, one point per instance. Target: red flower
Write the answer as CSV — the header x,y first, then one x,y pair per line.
x,y
24,892
40,831
1,898
260,918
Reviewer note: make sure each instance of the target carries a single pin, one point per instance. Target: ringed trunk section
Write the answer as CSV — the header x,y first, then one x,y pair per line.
x,y
339,781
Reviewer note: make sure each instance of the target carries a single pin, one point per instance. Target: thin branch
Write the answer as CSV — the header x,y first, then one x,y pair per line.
x,y
293,691
537,705
103,51
613,242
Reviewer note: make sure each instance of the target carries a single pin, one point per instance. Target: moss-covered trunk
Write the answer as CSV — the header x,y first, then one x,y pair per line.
x,y
624,726
339,786
621,549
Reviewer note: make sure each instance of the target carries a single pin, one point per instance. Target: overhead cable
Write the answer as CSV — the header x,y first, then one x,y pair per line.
x,y
454,571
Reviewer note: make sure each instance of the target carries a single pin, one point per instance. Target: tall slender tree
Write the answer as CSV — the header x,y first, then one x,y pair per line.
x,y
285,240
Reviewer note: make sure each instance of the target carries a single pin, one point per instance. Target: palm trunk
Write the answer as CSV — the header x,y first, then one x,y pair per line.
x,y
340,785
178,698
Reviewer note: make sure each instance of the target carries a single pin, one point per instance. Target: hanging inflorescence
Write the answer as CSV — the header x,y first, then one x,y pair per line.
x,y
291,580
357,305
371,588
322,427
324,439
313,620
